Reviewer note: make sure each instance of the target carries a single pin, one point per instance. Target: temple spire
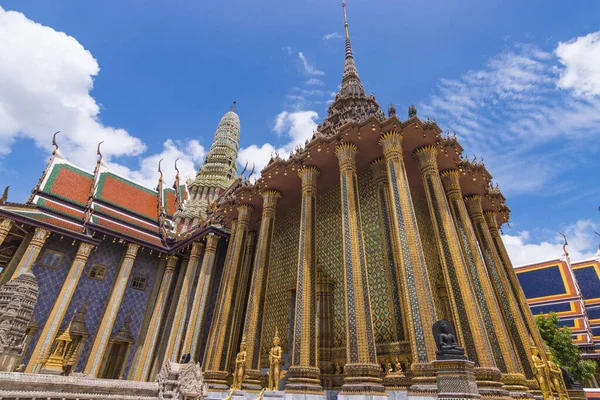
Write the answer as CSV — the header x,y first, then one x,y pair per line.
x,y
351,85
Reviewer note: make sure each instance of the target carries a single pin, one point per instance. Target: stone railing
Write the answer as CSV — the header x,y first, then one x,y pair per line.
x,y
176,381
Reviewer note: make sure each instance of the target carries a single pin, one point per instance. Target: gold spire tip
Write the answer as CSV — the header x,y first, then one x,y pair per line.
x,y
233,106
345,20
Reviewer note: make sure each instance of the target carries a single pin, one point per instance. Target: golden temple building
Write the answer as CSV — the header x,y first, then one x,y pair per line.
x,y
347,252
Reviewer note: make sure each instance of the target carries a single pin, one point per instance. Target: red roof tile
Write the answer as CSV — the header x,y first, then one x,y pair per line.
x,y
127,219
69,183
122,193
126,231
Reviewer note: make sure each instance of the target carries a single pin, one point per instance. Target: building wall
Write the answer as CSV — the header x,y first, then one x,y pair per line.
x,y
284,260
96,291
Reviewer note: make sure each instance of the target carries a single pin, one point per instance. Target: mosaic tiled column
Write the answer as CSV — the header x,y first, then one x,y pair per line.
x,y
392,256
466,316
215,359
96,354
241,292
178,325
361,372
497,334
513,318
517,290
41,352
5,225
304,371
142,365
258,286
415,284
197,313
33,250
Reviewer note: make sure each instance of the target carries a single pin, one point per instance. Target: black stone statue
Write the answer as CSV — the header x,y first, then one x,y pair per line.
x,y
445,339
186,358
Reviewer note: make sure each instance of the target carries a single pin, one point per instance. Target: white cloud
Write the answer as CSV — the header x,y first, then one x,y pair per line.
x,y
510,109
45,82
334,35
296,127
315,82
287,50
308,68
582,245
189,153
581,60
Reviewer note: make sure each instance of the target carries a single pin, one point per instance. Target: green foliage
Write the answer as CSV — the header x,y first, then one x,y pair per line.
x,y
565,353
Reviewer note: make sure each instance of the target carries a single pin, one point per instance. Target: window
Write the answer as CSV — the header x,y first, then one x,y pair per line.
x,y
51,259
139,282
98,272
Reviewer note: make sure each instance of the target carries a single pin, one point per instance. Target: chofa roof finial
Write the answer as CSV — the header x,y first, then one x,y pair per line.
x,y
54,142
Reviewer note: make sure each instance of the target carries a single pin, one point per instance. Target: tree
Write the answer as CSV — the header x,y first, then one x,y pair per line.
x,y
565,353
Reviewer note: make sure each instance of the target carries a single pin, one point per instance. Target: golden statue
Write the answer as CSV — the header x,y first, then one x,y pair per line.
x,y
541,374
275,363
240,367
399,367
556,378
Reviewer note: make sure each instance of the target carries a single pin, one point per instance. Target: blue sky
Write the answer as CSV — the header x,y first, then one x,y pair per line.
x,y
518,81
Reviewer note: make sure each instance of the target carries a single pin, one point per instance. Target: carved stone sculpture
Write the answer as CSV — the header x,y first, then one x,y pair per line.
x,y
445,339
181,382
17,300
275,363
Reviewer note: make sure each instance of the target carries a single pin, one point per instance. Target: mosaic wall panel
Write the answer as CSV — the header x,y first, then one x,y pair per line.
x,y
430,249
136,301
108,254
282,277
329,256
379,285
50,281
282,274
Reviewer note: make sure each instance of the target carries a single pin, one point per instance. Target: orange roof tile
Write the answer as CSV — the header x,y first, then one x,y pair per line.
x,y
145,237
69,183
125,194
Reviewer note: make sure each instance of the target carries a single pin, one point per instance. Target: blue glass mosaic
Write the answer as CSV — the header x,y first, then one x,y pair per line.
x,y
542,282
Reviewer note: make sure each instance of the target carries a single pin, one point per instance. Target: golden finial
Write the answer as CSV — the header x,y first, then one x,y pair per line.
x,y
54,142
276,333
565,245
345,20
176,169
4,195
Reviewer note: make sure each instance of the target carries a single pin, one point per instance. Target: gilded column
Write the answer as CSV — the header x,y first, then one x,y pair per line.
x,y
513,318
393,259
304,371
33,250
8,271
466,316
196,320
241,292
41,352
497,332
416,291
5,225
113,304
215,359
178,325
517,290
142,365
258,287
361,372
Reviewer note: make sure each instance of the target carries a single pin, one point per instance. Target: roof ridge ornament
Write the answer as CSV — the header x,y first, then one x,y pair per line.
x,y
54,142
